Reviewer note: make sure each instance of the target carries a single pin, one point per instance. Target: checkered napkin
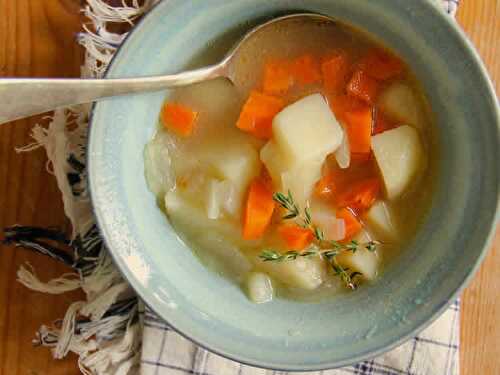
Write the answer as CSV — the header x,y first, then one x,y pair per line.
x,y
434,351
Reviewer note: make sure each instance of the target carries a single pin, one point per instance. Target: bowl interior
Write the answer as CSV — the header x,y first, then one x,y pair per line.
x,y
286,334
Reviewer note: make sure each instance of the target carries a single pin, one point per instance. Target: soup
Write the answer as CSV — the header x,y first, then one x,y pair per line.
x,y
307,177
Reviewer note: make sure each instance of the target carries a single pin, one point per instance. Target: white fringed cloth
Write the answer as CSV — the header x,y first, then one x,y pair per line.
x,y
109,331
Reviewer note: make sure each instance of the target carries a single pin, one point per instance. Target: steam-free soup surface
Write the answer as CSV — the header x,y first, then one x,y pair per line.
x,y
307,177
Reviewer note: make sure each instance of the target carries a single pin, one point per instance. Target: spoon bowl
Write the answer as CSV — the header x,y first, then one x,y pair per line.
x,y
23,97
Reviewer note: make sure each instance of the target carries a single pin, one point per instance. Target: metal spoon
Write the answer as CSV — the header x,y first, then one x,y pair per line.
x,y
22,97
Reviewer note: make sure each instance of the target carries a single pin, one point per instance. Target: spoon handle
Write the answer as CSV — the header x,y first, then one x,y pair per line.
x,y
22,97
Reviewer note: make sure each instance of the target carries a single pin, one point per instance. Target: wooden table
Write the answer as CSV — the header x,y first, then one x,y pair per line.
x,y
37,39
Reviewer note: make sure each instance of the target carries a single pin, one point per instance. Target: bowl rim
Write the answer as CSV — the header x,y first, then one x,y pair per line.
x,y
439,309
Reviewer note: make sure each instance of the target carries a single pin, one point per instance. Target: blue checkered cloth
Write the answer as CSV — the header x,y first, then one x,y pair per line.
x,y
434,351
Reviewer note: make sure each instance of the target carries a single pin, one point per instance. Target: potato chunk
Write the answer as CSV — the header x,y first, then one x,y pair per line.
x,y
400,102
323,215
219,240
259,287
304,134
307,130
302,273
362,260
399,154
223,256
380,219
192,218
299,180
222,198
237,162
273,160
158,164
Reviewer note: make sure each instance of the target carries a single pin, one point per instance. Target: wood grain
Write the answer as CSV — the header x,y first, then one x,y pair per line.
x,y
37,39
480,19
480,319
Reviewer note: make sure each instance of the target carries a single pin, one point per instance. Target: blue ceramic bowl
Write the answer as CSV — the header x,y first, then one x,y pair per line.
x,y
284,334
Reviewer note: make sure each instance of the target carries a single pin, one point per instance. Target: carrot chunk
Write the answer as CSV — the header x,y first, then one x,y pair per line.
x,y
335,70
325,187
341,104
352,225
360,196
358,125
278,77
363,87
257,114
178,118
357,119
295,237
381,65
336,181
306,70
259,209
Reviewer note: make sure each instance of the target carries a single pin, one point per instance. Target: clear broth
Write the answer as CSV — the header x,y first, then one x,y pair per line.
x,y
219,104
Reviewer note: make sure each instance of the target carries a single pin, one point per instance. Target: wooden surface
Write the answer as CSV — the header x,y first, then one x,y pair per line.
x,y
480,319
37,39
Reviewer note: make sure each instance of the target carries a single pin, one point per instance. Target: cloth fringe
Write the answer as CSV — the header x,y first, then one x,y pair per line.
x,y
105,330
64,283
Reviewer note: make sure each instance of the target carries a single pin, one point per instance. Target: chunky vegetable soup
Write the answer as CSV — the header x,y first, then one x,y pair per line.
x,y
307,177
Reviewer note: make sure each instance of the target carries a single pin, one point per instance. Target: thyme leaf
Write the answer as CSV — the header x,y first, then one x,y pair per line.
x,y
287,202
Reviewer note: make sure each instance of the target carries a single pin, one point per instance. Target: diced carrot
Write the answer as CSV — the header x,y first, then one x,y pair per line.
x,y
342,104
381,123
357,118
178,118
295,237
361,157
359,196
259,209
325,187
358,124
306,70
363,87
352,224
257,114
381,65
278,77
336,181
335,71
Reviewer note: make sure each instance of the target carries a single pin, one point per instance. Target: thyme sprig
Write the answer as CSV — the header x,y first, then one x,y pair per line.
x,y
276,256
327,253
324,248
348,279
